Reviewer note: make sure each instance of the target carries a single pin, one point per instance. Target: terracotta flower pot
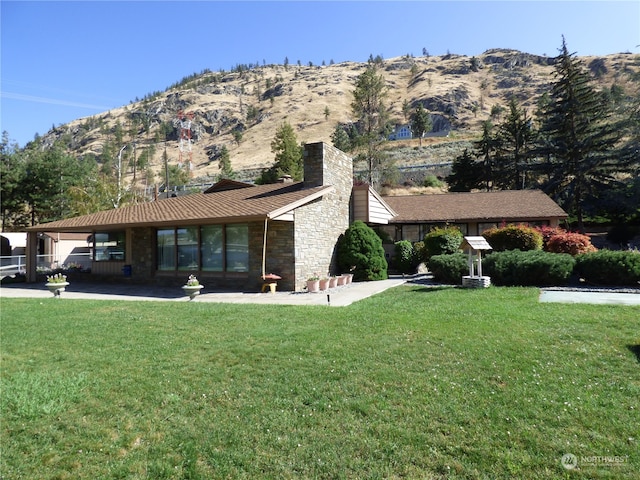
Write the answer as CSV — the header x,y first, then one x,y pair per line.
x,y
313,286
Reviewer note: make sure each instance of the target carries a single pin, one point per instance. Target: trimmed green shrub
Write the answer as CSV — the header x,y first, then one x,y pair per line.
x,y
513,237
404,256
610,267
528,268
571,243
442,241
449,268
419,253
361,247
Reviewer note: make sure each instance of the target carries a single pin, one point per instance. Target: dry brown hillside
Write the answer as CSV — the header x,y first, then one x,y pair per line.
x,y
459,92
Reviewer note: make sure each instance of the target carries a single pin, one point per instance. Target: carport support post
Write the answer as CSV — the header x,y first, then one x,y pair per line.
x,y
32,256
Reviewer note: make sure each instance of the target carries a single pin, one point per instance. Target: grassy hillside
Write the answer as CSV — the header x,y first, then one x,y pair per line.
x,y
459,91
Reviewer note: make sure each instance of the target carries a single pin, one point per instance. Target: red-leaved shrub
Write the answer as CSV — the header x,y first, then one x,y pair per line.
x,y
571,243
547,232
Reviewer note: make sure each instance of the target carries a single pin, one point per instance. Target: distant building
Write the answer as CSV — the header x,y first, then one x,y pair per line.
x,y
401,132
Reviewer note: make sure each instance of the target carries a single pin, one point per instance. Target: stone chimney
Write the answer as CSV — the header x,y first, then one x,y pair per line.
x,y
326,165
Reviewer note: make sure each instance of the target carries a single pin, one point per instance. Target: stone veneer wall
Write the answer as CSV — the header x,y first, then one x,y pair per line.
x,y
318,225
295,250
141,255
279,253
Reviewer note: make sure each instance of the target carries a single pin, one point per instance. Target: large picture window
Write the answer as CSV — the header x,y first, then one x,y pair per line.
x,y
109,246
166,249
210,248
187,242
237,248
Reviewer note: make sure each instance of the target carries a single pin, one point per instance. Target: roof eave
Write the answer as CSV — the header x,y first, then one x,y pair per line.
x,y
123,226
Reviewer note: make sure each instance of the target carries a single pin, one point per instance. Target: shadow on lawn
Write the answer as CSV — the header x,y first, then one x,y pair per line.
x,y
635,349
434,288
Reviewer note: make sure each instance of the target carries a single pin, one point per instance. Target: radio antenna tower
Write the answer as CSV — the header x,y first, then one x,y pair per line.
x,y
183,122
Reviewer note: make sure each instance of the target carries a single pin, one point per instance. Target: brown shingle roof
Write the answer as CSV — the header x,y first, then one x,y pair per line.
x,y
507,205
243,204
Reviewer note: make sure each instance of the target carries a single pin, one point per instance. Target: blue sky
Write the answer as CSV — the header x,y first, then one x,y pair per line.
x,y
65,60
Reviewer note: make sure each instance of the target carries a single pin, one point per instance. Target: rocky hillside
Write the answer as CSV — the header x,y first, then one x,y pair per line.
x,y
243,109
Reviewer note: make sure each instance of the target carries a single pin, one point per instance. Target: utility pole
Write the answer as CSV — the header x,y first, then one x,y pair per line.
x,y
120,176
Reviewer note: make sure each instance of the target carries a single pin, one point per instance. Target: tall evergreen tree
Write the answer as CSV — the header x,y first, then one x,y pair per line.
x,y
224,162
486,148
579,141
514,143
340,138
420,122
288,160
373,115
466,173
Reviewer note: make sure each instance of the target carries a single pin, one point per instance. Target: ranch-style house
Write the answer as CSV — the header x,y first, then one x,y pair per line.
x,y
235,234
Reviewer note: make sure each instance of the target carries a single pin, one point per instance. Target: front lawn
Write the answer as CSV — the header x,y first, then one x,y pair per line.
x,y
411,383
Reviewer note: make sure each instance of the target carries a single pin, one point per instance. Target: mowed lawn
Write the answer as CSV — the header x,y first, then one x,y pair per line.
x,y
411,383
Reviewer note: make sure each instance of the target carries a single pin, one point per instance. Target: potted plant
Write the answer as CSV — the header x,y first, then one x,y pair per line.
x,y
349,276
324,283
193,287
333,281
57,284
313,283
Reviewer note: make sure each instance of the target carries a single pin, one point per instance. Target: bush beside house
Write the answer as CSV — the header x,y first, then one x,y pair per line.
x,y
514,237
361,247
528,268
610,267
405,257
527,256
548,232
442,241
558,240
449,268
571,243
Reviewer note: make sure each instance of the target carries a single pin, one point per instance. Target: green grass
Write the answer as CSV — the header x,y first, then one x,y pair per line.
x,y
411,383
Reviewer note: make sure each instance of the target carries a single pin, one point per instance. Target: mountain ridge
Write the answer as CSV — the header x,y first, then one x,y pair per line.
x,y
242,109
